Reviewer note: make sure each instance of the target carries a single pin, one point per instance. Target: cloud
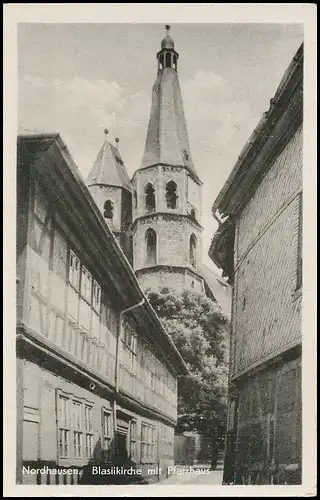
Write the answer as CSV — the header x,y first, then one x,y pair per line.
x,y
217,117
214,111
204,81
79,109
219,122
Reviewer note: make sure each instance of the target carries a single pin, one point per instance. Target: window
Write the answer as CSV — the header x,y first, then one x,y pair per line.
x,y
299,257
108,210
59,257
161,385
175,61
106,433
96,297
63,427
151,243
152,379
150,198
193,214
147,443
171,195
168,60
86,284
192,250
84,308
88,430
74,270
130,347
77,429
135,199
95,326
133,439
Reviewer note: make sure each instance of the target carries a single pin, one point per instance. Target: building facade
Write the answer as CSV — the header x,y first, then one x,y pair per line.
x,y
96,371
259,247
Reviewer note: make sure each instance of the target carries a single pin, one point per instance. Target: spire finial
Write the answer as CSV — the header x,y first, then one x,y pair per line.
x,y
167,42
106,131
117,140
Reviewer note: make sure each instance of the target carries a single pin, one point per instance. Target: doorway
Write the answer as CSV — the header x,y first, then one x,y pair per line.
x,y
121,447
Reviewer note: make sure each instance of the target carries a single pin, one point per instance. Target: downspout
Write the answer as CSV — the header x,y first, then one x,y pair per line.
x,y
119,336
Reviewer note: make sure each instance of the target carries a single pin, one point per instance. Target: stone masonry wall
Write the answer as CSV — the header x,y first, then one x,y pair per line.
x,y
267,305
100,195
173,236
159,176
164,278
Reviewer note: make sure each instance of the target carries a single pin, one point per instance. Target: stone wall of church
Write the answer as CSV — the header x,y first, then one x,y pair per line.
x,y
159,176
100,195
173,240
171,278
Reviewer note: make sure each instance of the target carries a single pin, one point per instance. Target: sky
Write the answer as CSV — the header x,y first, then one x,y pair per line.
x,y
78,79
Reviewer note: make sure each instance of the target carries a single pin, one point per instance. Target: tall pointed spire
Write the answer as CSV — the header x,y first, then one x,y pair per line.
x,y
167,137
166,190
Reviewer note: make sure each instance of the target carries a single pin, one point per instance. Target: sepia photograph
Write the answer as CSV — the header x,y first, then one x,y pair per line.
x,y
159,254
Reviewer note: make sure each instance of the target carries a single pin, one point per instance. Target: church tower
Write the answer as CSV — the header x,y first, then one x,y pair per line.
x,y
110,187
166,189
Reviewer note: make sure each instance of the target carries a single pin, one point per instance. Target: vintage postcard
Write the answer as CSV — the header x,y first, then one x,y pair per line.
x,y
159,288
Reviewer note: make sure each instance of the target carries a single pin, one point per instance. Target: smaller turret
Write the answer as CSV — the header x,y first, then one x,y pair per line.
x,y
110,187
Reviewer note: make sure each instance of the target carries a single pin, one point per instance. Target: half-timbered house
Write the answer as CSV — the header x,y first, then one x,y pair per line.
x,y
96,371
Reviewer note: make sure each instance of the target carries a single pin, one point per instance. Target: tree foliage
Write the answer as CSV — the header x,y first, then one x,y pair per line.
x,y
200,332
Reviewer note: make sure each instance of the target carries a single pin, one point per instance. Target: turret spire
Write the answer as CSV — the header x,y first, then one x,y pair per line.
x,y
167,137
109,169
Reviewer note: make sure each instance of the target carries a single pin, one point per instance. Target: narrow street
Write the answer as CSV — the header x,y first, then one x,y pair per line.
x,y
194,475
